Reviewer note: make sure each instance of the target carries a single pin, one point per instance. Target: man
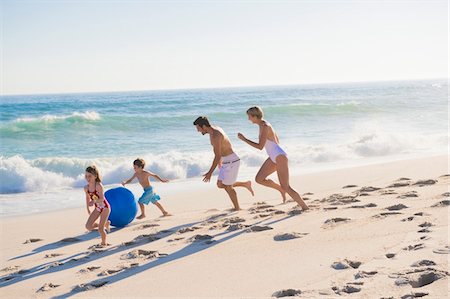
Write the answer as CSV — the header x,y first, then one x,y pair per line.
x,y
225,158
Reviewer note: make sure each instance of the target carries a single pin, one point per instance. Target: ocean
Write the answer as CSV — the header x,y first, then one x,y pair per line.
x,y
48,140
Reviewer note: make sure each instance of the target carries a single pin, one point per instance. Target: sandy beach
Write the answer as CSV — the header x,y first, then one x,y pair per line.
x,y
376,231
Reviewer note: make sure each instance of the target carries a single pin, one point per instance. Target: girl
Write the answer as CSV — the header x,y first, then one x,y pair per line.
x,y
95,196
277,160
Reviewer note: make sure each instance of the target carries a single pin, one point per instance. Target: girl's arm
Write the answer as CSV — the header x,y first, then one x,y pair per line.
x,y
129,180
88,201
262,138
154,175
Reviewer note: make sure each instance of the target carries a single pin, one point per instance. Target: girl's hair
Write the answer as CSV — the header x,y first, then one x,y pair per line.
x,y
94,171
255,111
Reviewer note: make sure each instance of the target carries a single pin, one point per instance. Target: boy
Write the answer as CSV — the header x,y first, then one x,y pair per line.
x,y
144,179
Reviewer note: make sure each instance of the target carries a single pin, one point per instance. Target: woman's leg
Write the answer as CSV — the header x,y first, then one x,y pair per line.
x,y
101,226
283,177
90,223
267,169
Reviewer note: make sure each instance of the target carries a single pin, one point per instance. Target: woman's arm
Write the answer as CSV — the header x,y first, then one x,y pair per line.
x,y
262,138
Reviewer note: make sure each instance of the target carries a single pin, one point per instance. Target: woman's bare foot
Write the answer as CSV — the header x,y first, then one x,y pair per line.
x,y
142,216
108,226
166,214
101,245
248,185
283,195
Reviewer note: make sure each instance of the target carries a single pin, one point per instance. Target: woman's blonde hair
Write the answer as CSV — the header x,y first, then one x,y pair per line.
x,y
94,171
255,111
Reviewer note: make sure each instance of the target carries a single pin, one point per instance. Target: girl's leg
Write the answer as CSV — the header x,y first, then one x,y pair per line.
x,y
283,177
90,223
141,206
101,226
160,207
267,169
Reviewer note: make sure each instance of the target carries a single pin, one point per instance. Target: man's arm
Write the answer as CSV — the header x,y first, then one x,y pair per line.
x,y
216,142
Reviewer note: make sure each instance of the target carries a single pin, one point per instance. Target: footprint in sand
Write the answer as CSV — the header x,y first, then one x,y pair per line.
x,y
418,278
369,205
32,240
345,264
89,286
308,193
443,203
408,194
175,239
414,247
232,220
332,221
445,194
89,269
143,254
10,268
385,214
289,236
396,207
259,228
50,255
348,289
349,186
148,225
444,250
422,183
286,293
399,184
387,192
414,295
47,287
368,189
236,226
364,194
365,274
390,255
187,229
206,239
422,263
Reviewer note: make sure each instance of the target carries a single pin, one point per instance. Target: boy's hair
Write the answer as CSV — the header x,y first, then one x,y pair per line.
x,y
139,162
202,121
94,171
255,111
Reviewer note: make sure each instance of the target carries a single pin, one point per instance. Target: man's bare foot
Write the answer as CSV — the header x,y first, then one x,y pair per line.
x,y
248,185
107,226
166,214
101,245
142,216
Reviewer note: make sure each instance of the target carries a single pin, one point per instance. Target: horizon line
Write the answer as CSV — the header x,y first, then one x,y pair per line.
x,y
218,87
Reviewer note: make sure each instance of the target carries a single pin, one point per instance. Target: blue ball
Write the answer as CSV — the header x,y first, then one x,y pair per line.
x,y
123,206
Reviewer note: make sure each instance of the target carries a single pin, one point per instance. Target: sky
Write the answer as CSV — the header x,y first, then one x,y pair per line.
x,y
88,46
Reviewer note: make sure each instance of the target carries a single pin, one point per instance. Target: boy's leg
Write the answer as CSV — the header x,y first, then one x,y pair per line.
x,y
160,207
141,206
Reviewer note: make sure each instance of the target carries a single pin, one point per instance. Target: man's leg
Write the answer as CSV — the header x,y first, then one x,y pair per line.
x,y
247,185
231,193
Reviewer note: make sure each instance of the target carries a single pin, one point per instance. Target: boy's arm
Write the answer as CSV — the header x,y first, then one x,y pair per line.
x,y
154,175
129,180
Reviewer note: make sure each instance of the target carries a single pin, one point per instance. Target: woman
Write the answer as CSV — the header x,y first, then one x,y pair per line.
x,y
277,160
